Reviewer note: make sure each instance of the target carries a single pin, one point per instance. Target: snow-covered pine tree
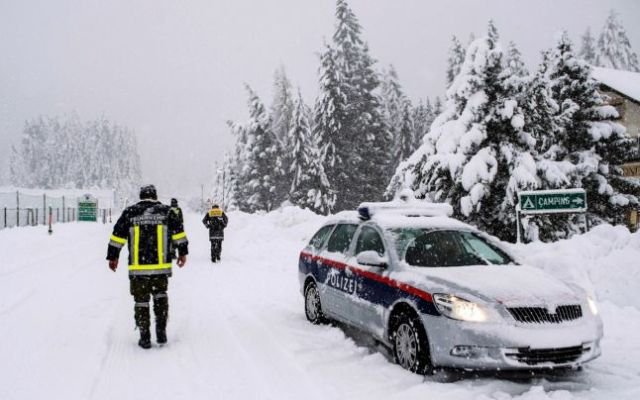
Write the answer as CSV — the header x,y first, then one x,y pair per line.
x,y
282,106
588,48
300,139
405,140
394,103
422,116
588,137
614,49
455,59
363,128
310,186
329,116
514,61
263,172
65,152
437,107
476,155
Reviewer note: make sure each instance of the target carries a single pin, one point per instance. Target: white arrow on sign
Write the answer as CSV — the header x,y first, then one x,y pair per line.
x,y
578,201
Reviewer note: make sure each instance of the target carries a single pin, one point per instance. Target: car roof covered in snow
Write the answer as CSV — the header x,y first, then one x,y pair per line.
x,y
436,222
625,82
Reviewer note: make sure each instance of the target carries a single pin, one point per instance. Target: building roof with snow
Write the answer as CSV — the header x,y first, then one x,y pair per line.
x,y
624,82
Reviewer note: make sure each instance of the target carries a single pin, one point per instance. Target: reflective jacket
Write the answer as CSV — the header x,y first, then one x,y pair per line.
x,y
149,229
216,220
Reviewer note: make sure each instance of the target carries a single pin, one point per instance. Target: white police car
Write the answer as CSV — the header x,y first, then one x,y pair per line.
x,y
439,293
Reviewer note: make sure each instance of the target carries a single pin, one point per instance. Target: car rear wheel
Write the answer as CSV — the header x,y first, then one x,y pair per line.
x,y
410,345
312,305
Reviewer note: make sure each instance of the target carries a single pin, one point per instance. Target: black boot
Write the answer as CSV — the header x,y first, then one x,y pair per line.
x,y
145,339
161,334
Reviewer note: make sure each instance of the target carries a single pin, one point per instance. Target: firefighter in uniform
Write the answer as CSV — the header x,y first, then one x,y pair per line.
x,y
148,227
216,220
178,212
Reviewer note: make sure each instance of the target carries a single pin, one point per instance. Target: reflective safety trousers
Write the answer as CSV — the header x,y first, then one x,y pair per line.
x,y
150,232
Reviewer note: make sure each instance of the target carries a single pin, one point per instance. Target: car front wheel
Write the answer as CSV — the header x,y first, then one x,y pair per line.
x,y
312,305
410,345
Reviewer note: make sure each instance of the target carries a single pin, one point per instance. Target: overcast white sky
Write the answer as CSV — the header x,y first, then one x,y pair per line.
x,y
173,71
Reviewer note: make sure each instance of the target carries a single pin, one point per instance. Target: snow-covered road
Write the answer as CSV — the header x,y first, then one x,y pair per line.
x,y
237,330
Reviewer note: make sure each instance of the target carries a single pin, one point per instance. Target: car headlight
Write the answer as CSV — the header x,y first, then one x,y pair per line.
x,y
592,306
461,309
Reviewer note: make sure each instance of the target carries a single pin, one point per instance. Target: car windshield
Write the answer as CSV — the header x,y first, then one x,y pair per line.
x,y
446,248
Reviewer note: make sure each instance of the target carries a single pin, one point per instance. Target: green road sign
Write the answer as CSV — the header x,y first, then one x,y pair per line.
x,y
553,201
87,208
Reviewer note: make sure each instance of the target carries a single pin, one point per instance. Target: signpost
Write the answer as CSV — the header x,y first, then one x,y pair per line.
x,y
550,202
88,208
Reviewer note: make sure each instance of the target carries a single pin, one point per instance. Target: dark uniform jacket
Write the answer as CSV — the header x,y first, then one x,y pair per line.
x,y
150,230
216,220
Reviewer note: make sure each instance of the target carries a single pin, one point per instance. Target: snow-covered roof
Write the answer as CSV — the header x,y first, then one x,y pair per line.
x,y
625,82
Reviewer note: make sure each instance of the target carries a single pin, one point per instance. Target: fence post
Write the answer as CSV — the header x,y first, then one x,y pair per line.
x,y
50,218
44,209
5,217
63,216
34,217
17,208
58,214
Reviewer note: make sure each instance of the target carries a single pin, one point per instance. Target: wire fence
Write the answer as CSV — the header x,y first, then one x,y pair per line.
x,y
18,208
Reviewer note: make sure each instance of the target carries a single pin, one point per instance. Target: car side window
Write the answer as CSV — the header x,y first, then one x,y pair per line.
x,y
341,238
318,240
369,240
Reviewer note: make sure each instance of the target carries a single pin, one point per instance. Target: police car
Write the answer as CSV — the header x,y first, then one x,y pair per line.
x,y
439,293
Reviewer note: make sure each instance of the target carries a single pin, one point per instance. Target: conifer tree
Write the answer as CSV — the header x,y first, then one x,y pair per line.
x,y
364,170
421,118
588,137
514,61
588,48
477,155
614,49
394,103
263,172
282,106
455,59
329,116
310,186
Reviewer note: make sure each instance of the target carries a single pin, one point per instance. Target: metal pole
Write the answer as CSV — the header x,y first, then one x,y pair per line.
x,y
5,217
63,216
17,208
518,238
50,220
223,186
44,209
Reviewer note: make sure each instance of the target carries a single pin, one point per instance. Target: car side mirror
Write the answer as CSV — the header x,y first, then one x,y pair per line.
x,y
372,259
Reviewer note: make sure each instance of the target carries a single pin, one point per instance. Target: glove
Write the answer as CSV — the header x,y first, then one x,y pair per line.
x,y
182,260
113,265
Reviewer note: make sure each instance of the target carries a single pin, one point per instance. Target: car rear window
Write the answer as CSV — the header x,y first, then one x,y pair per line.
x,y
341,238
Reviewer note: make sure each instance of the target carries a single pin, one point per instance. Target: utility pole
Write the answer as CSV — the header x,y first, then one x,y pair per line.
x,y
202,197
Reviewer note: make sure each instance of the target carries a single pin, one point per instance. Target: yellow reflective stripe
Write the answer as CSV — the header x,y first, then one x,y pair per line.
x,y
178,236
147,267
215,213
136,244
118,239
160,245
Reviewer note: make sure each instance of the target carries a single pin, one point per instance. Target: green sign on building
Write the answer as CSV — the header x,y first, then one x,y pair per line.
x,y
553,201
88,208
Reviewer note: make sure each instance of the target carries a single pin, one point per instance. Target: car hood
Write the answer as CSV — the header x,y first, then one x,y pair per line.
x,y
507,284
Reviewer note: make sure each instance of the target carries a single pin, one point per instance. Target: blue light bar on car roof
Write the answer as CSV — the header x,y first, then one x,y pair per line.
x,y
406,209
